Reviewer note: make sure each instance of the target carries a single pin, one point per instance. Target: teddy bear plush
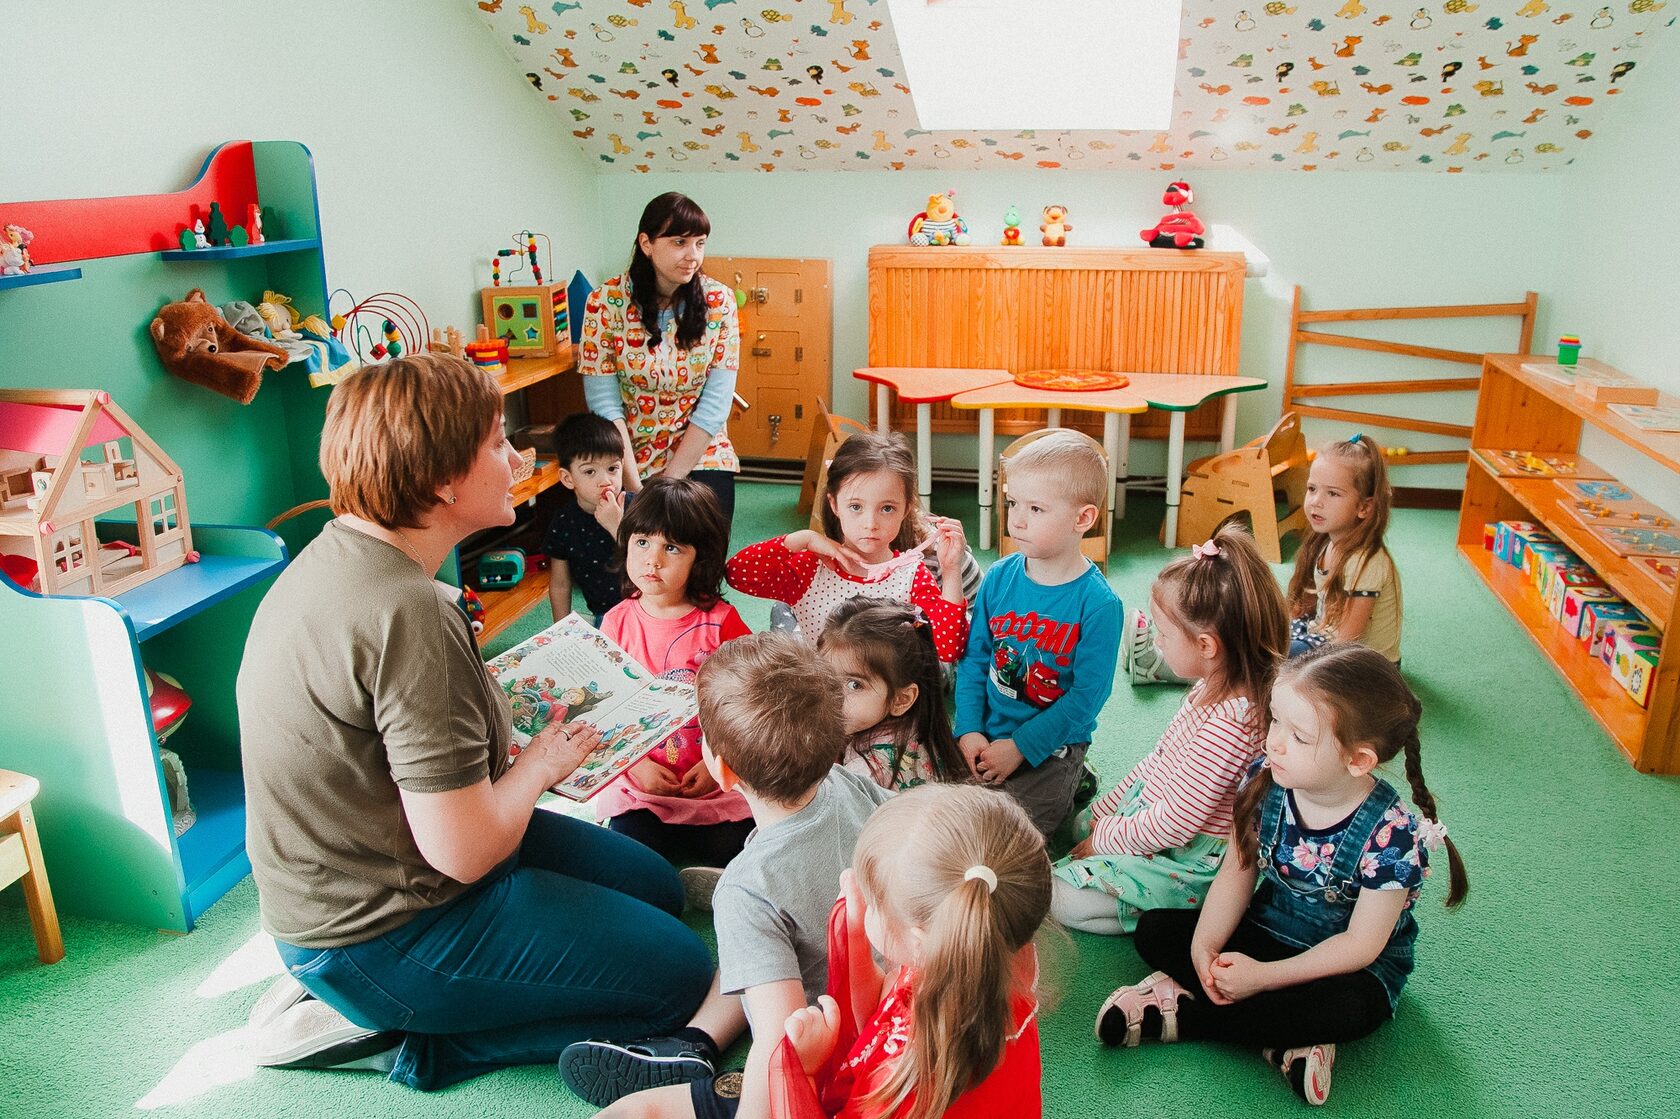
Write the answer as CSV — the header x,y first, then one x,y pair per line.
x,y
198,345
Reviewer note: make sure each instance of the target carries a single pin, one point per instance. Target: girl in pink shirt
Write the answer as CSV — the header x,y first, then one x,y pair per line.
x,y
671,547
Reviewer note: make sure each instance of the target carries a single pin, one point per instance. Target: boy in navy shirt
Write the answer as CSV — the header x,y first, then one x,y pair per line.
x,y
582,539
1045,638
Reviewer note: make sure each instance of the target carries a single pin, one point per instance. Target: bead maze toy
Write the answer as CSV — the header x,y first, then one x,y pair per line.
x,y
532,319
402,325
50,494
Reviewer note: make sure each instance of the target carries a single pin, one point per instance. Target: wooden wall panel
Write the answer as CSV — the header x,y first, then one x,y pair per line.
x,y
1149,311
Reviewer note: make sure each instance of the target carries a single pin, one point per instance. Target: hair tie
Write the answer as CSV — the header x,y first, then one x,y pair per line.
x,y
1431,834
919,619
1210,550
985,874
1356,437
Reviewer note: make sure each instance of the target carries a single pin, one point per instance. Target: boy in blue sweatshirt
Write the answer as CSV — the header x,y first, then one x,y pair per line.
x,y
1045,638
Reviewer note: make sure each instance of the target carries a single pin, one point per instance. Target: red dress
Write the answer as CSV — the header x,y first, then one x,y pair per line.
x,y
862,1058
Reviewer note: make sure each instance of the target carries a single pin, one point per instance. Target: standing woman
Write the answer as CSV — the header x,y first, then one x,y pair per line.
x,y
661,348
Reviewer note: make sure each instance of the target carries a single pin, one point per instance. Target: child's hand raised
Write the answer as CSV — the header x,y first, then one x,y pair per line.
x,y
651,777
839,554
609,510
951,543
814,1031
698,781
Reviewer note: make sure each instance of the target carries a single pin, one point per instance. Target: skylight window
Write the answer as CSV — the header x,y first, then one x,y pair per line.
x,y
1049,64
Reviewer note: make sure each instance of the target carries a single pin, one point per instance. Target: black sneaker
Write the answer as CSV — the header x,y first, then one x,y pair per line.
x,y
602,1072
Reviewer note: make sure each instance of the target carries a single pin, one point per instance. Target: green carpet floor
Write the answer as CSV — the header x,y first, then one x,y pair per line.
x,y
1553,991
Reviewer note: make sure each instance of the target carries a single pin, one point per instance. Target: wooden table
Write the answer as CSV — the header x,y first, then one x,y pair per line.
x,y
923,387
1174,393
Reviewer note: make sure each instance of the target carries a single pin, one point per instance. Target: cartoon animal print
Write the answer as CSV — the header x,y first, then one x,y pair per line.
x,y
1542,90
708,53
1348,45
493,6
1490,89
1379,90
881,142
561,9
1309,143
1353,9
563,55
1620,71
1640,7
1327,89
619,146
863,89
1459,7
1460,144
721,92
839,14
684,21
859,50
747,144
1534,8
1519,49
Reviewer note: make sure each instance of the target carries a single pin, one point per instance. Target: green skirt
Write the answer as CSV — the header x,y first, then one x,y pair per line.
x,y
1177,878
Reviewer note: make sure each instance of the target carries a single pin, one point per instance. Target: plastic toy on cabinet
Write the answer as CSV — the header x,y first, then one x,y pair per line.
x,y
501,569
46,431
14,250
1055,226
1012,226
939,223
1180,229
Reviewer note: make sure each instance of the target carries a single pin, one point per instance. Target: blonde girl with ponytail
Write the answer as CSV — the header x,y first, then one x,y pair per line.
x,y
950,885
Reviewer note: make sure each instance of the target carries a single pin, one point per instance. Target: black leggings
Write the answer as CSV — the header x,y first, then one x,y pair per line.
x,y
1335,1008
684,844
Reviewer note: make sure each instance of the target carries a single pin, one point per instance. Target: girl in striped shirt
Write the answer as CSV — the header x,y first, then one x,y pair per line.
x,y
1156,840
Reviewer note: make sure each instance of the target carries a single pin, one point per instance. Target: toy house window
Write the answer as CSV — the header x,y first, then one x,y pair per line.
x,y
69,554
165,517
1045,64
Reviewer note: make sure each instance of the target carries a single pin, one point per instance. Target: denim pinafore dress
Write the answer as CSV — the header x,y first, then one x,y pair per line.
x,y
1305,914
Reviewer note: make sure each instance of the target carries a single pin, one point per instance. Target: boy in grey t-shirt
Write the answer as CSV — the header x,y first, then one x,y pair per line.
x,y
770,711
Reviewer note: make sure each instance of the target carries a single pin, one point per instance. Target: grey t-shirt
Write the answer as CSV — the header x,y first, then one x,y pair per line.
x,y
771,906
359,679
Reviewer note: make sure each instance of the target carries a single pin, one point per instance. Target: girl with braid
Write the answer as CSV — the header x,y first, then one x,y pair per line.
x,y
1318,954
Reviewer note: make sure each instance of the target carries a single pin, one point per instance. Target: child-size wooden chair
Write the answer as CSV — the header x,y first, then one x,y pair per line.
x,y
826,438
20,860
1265,479
1095,544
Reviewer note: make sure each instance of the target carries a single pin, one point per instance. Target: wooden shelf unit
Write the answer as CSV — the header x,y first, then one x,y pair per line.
x,y
1524,412
523,372
503,608
42,274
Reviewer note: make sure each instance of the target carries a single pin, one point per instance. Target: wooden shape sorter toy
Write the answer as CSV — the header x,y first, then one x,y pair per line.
x,y
1540,464
1595,501
1630,540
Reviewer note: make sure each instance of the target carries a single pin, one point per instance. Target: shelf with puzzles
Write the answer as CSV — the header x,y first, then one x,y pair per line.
x,y
1584,563
125,611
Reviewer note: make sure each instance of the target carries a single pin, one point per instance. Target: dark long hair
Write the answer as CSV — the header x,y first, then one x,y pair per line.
x,y
670,215
684,512
868,452
894,643
1369,705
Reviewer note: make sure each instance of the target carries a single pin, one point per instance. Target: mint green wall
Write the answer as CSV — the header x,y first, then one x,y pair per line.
x,y
1350,239
431,152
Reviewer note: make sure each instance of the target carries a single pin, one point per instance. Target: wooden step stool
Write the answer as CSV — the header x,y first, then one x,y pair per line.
x,y
20,860
1255,479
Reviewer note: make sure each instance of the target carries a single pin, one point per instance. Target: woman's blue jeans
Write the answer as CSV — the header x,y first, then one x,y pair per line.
x,y
575,936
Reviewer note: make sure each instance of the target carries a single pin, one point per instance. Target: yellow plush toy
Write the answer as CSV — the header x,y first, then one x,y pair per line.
x,y
939,223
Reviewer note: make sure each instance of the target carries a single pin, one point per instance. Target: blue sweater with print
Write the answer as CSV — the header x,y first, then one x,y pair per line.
x,y
1040,661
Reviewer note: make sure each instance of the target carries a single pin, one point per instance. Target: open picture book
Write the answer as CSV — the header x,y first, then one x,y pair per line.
x,y
571,672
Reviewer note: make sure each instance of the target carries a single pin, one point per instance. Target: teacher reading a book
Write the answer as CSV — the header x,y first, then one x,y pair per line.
x,y
434,923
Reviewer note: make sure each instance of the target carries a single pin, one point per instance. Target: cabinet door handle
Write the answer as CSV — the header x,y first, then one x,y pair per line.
x,y
761,351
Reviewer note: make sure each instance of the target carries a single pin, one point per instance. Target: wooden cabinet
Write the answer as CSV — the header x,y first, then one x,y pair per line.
x,y
1518,410
1130,310
787,325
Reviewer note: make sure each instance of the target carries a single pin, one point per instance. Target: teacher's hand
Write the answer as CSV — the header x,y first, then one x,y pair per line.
x,y
559,748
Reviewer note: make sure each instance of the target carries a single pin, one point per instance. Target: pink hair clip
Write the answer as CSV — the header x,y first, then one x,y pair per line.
x,y
1210,550
1431,834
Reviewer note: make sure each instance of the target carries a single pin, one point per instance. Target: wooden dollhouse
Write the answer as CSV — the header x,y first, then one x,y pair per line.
x,y
62,465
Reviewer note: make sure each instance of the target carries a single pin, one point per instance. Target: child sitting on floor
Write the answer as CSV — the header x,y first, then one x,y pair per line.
x,y
1042,651
671,548
1156,840
953,910
1345,586
1319,954
898,732
770,707
870,515
581,540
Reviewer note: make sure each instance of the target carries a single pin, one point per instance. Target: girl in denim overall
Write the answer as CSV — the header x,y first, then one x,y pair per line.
x,y
1318,954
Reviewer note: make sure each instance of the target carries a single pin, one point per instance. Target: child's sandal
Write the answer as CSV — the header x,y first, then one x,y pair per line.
x,y
1126,1006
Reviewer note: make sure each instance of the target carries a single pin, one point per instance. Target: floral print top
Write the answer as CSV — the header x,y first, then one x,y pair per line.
x,y
1393,860
661,385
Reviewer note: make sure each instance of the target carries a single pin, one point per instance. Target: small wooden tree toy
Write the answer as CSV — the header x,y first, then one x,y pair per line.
x,y
51,491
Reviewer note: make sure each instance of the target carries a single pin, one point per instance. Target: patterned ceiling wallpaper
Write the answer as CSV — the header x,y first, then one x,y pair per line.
x,y
723,85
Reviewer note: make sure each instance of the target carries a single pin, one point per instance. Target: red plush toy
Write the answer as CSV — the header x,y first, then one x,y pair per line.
x,y
1180,229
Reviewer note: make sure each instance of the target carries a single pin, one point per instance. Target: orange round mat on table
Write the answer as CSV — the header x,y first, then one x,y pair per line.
x,y
1071,380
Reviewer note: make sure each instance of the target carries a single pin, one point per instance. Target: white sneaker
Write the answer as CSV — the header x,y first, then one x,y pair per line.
x,y
283,994
1308,1070
311,1034
699,883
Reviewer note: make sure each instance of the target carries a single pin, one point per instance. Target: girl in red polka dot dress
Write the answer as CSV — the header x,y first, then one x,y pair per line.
x,y
875,546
